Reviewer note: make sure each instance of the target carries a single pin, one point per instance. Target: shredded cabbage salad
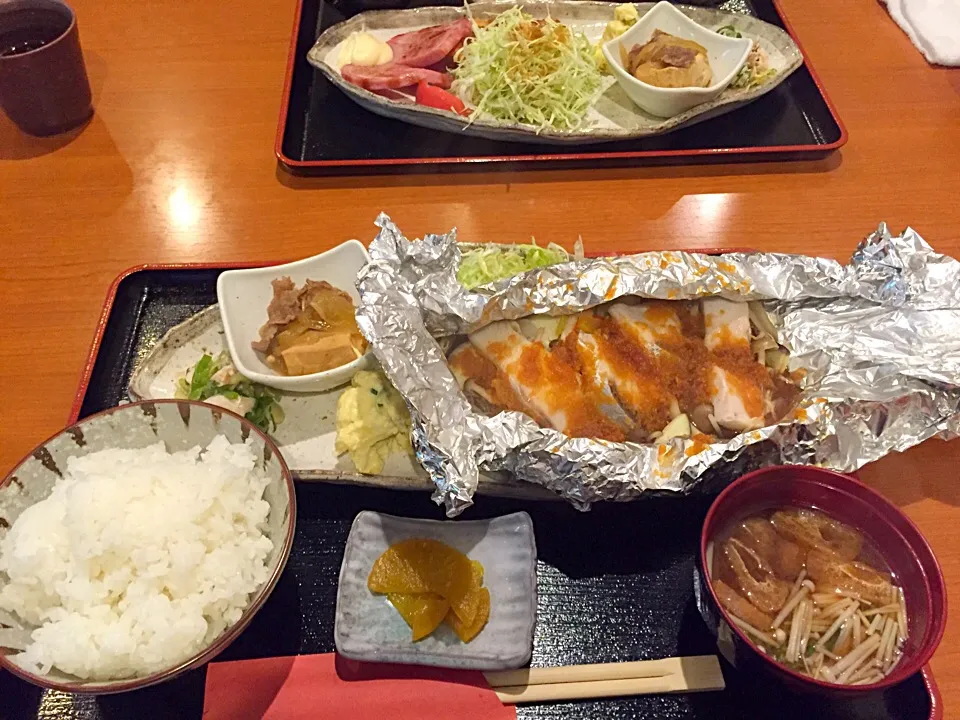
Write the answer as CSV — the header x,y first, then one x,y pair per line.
x,y
522,70
487,265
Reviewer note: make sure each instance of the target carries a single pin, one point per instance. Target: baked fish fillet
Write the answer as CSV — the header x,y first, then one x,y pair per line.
x,y
628,370
549,381
485,384
739,402
726,324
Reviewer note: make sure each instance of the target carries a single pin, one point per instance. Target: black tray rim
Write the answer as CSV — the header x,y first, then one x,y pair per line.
x,y
797,152
933,690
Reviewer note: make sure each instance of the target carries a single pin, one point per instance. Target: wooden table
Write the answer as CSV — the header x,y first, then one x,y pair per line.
x,y
177,166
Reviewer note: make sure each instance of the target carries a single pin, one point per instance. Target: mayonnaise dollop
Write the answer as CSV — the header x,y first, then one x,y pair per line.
x,y
362,48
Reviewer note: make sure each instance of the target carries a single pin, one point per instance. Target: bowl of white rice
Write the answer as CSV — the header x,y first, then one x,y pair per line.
x,y
138,544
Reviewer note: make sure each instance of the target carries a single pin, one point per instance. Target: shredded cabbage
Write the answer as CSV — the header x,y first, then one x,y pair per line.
x,y
487,265
522,70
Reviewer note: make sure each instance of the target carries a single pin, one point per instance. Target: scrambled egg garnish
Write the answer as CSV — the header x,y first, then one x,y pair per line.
x,y
372,422
624,16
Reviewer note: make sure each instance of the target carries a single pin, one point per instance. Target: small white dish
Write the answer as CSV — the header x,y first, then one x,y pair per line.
x,y
243,296
369,628
725,54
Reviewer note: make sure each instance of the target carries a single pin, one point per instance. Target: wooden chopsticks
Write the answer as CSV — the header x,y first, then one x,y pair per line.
x,y
680,674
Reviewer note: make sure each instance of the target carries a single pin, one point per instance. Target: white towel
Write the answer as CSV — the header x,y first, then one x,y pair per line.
x,y
932,25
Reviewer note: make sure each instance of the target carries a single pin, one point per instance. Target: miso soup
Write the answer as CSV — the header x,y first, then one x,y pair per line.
x,y
812,593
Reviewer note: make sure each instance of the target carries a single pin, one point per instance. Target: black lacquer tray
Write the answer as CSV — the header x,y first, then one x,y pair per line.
x,y
322,132
614,583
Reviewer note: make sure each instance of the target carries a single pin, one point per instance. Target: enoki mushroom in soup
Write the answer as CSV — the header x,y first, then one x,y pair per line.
x,y
812,593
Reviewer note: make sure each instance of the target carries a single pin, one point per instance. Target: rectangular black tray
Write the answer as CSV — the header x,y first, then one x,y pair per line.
x,y
322,132
614,584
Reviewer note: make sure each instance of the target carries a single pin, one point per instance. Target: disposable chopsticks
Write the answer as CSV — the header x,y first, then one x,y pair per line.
x,y
671,675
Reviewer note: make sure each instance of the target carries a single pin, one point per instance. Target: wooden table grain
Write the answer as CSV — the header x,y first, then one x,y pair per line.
x,y
177,166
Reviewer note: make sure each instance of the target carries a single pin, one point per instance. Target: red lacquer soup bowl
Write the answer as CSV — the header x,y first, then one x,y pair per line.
x,y
848,500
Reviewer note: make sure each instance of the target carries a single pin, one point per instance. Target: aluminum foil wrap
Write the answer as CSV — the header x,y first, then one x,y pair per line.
x,y
879,339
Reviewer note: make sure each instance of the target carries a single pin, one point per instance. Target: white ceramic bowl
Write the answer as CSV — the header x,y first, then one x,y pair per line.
x,y
180,425
245,294
726,55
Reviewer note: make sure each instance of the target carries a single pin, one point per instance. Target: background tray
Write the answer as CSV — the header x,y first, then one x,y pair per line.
x,y
321,131
613,584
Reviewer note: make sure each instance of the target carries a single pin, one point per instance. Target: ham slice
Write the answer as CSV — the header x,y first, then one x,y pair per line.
x,y
422,48
392,76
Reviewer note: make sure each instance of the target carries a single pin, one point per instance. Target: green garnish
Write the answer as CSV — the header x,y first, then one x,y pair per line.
x,y
266,413
489,264
200,379
729,31
522,70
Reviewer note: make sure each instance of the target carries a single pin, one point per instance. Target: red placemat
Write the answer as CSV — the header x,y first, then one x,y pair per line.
x,y
317,687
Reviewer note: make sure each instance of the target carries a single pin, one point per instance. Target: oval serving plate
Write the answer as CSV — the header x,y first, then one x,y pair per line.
x,y
306,437
613,116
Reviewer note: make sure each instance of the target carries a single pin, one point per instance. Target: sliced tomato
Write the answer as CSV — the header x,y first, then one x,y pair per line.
x,y
435,97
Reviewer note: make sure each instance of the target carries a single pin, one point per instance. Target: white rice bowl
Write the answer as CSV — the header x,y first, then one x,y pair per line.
x,y
137,560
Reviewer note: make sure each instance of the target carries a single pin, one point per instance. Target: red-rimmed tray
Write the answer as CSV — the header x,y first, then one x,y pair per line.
x,y
599,600
322,132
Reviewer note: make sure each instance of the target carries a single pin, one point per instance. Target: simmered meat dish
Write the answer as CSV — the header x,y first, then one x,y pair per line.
x,y
309,329
668,61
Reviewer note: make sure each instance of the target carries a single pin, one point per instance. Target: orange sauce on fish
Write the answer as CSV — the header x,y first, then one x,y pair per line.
x,y
725,339
483,372
650,406
750,380
562,389
663,317
700,442
677,371
684,367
